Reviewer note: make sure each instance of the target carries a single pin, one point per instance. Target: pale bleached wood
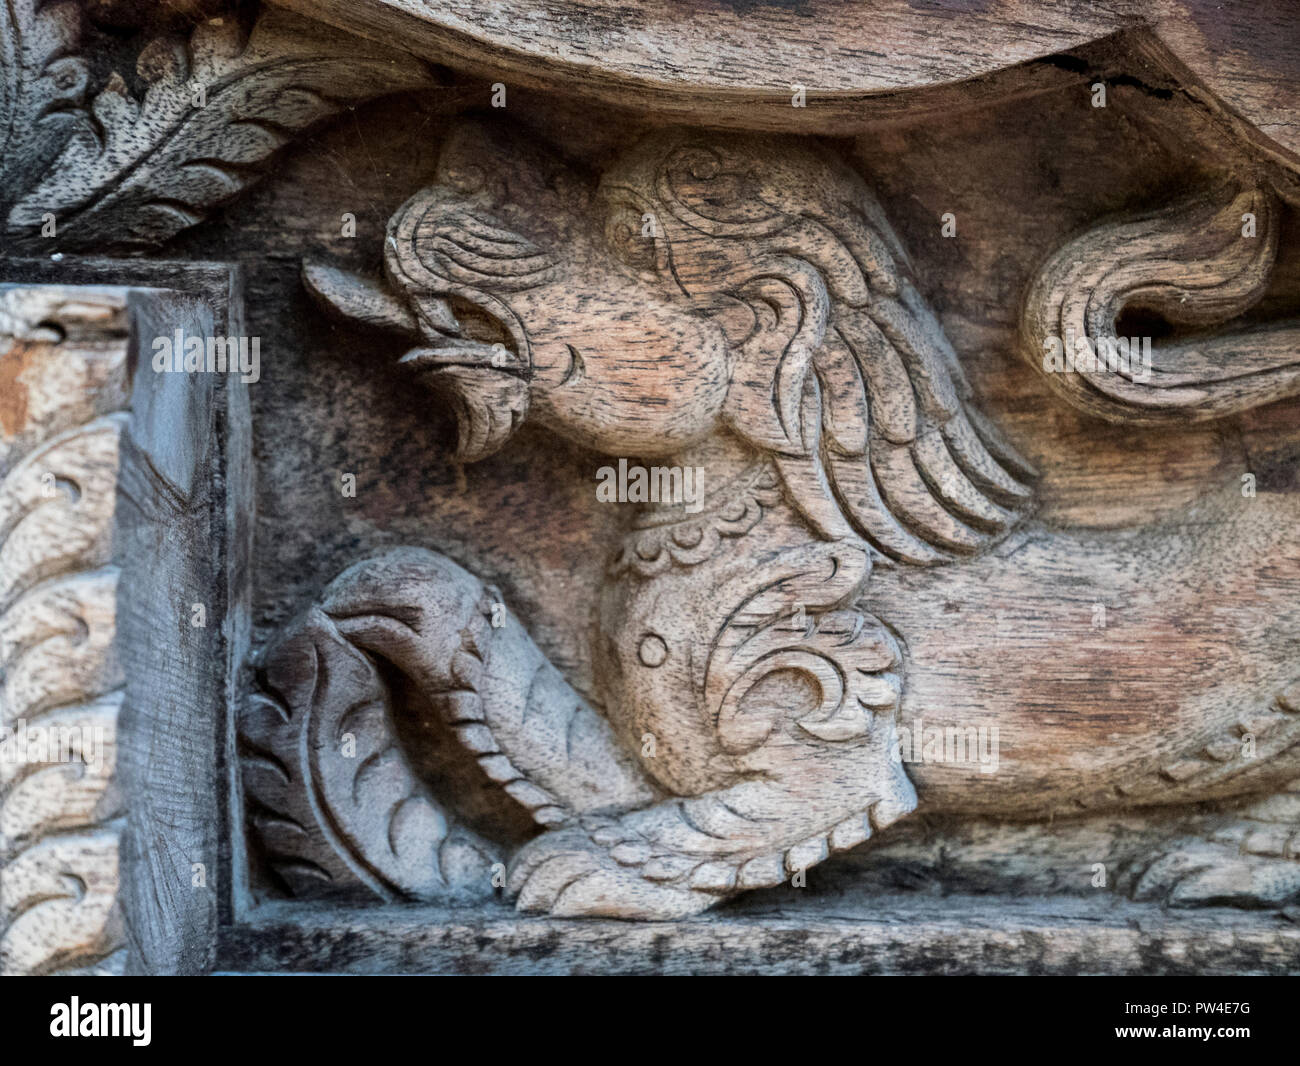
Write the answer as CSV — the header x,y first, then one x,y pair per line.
x,y
64,357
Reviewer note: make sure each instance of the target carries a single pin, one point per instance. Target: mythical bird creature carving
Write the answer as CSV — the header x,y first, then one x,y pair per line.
x,y
734,303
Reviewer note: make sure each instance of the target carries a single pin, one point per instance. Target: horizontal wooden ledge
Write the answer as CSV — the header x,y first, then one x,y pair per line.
x,y
903,934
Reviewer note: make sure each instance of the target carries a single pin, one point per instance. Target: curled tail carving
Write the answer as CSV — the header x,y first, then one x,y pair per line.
x,y
335,799
1197,264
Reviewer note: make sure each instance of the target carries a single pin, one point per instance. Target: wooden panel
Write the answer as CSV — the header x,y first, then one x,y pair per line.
x,y
170,527
798,319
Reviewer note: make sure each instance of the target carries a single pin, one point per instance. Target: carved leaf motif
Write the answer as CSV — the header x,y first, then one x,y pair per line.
x,y
55,507
325,743
60,819
41,88
215,111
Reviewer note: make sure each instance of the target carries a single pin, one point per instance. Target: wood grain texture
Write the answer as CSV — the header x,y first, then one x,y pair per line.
x,y
1195,265
1112,732
719,62
170,537
103,170
739,306
184,517
843,934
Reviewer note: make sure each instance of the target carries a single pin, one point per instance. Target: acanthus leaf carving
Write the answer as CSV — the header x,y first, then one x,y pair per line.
x,y
42,86
215,110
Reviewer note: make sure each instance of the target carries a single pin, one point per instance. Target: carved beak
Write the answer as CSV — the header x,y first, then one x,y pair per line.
x,y
483,344
481,378
356,300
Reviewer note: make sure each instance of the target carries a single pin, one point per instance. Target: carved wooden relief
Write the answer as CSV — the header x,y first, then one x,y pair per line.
x,y
63,682
666,493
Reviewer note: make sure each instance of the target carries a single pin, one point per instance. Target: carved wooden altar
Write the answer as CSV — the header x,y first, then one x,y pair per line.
x,y
649,488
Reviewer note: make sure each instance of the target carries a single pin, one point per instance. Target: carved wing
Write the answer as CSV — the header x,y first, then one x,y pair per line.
x,y
842,372
890,437
880,439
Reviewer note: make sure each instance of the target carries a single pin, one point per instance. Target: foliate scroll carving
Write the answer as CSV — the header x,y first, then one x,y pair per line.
x,y
42,86
326,740
101,169
63,359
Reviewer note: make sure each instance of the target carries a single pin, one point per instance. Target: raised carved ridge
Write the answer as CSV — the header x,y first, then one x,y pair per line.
x,y
60,821
320,809
672,536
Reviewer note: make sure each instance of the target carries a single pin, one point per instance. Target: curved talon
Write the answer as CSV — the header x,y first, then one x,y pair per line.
x,y
1204,873
567,874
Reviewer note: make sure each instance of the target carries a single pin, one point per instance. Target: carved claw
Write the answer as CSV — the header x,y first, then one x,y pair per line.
x,y
568,874
681,856
1203,873
1253,861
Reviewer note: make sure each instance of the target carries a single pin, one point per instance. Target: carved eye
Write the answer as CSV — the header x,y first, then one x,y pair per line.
x,y
653,650
633,235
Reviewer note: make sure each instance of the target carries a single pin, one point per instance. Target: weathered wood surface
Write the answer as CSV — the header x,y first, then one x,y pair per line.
x,y
739,306
149,533
1198,581
91,168
738,63
183,604
843,934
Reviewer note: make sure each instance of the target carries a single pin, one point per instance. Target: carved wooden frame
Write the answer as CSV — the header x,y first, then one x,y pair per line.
x,y
155,469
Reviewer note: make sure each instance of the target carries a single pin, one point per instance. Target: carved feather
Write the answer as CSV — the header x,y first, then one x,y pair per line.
x,y
845,377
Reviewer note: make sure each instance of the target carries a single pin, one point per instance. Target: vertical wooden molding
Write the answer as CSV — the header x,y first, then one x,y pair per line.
x,y
182,640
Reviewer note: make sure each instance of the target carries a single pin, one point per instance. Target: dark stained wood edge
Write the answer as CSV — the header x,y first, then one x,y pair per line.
x,y
954,935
